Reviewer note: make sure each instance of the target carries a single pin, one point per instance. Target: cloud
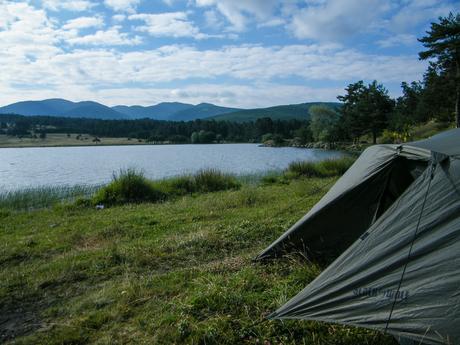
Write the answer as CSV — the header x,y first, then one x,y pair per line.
x,y
27,34
335,20
239,12
70,5
246,63
172,24
397,40
83,22
110,37
212,20
416,12
122,5
118,18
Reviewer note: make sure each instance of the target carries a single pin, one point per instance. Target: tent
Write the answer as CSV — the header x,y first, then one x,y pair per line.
x,y
396,213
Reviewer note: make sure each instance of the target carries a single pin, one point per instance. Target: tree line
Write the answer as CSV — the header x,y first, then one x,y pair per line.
x,y
198,131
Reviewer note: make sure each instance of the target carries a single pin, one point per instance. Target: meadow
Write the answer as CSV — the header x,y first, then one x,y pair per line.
x,y
63,139
175,270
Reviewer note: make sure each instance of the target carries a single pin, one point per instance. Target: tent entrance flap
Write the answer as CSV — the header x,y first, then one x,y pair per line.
x,y
403,173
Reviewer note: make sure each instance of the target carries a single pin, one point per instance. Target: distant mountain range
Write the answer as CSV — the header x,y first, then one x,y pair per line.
x,y
171,111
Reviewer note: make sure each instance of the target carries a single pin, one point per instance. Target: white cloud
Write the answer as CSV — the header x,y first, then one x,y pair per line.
x,y
83,22
101,67
415,12
118,18
211,19
240,12
70,5
336,19
172,24
110,37
122,5
397,40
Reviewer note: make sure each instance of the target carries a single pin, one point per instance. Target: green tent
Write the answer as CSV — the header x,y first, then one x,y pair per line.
x,y
396,213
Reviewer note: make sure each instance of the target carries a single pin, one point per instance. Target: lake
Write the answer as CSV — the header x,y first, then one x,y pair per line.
x,y
57,166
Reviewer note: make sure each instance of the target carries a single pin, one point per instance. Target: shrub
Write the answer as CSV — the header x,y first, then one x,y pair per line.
x,y
129,186
326,168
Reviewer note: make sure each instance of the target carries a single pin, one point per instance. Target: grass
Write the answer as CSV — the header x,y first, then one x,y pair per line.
x,y
131,186
326,168
307,169
45,196
176,272
61,139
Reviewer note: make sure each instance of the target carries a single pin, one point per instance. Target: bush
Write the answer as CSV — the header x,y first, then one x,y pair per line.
x,y
129,186
327,168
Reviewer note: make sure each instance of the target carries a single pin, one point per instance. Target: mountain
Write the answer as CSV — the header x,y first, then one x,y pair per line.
x,y
94,110
201,111
46,107
171,111
160,111
62,107
280,112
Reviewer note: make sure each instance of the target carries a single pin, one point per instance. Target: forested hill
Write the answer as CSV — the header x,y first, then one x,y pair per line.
x,y
169,111
280,112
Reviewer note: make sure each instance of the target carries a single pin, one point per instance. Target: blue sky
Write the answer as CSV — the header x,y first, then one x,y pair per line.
x,y
241,53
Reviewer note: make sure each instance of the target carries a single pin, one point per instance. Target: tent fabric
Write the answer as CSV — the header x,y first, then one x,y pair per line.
x,y
399,208
446,142
359,288
350,205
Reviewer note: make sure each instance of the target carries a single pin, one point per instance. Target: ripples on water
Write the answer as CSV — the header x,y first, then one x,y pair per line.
x,y
56,166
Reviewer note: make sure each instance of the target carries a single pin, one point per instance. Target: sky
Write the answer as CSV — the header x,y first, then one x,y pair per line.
x,y
238,53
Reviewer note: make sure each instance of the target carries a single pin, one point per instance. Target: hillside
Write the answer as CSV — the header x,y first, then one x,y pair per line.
x,y
179,272
169,111
62,107
160,111
201,111
281,112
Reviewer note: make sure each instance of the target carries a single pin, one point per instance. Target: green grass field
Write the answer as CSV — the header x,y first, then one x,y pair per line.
x,y
61,139
178,272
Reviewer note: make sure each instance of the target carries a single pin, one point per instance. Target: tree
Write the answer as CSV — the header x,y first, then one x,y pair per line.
x,y
438,95
352,123
375,106
443,43
304,134
366,109
323,123
195,139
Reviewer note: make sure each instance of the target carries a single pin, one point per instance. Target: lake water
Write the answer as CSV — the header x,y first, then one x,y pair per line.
x,y
55,166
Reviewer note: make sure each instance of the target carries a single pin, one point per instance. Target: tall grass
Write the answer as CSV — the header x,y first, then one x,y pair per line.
x,y
45,196
213,180
326,168
128,186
